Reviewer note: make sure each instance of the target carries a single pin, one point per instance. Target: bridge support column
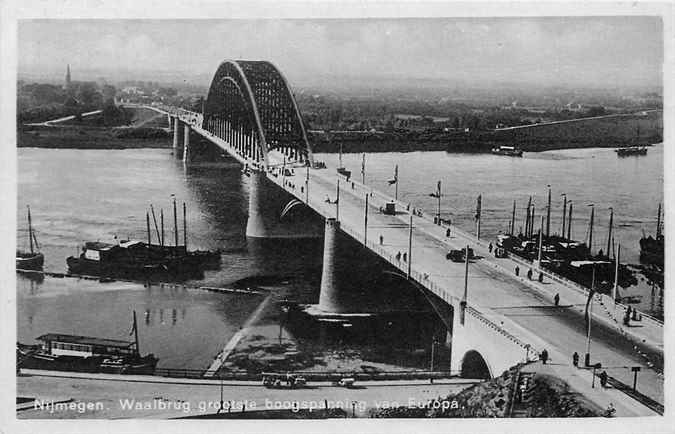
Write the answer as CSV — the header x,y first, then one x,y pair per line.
x,y
176,137
186,143
329,297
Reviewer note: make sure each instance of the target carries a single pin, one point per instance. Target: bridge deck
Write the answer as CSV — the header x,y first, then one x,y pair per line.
x,y
521,309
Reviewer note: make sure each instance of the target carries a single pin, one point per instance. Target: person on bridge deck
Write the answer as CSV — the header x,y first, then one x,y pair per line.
x,y
575,359
447,233
529,274
405,257
517,270
603,378
398,256
544,356
490,248
381,239
556,299
541,277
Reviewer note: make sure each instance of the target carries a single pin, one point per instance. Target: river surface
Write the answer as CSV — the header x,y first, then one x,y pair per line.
x,y
88,195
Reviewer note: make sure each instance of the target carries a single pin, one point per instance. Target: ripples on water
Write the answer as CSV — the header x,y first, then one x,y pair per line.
x,y
80,195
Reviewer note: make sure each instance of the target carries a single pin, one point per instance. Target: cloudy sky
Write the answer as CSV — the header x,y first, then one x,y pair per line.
x,y
544,51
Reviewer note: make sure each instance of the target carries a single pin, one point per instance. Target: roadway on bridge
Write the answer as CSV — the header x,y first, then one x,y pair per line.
x,y
517,305
521,307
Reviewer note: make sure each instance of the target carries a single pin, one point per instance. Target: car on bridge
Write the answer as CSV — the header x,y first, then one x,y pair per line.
x,y
459,255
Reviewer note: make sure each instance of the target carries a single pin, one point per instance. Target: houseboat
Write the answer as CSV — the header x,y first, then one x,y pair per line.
x,y
61,352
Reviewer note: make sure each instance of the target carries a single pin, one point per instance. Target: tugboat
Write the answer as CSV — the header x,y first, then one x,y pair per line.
x,y
30,260
87,354
138,259
509,151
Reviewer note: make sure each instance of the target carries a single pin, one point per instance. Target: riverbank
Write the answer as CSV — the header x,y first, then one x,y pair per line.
x,y
605,132
86,137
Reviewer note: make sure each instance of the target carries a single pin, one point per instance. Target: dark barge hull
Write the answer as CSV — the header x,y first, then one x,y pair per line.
x,y
167,269
28,261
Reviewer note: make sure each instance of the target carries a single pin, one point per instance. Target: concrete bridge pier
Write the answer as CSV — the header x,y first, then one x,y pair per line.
x,y
330,300
176,138
274,213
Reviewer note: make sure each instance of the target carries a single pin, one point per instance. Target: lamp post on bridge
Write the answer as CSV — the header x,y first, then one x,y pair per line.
x,y
410,246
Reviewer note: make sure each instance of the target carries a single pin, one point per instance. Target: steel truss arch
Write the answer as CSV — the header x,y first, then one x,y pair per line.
x,y
251,104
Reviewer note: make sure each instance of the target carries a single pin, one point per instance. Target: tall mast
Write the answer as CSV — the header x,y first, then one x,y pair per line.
x,y
532,222
609,236
138,351
590,231
569,224
541,238
175,223
527,217
616,274
161,221
563,215
548,214
30,229
658,222
340,155
513,218
147,223
154,220
184,227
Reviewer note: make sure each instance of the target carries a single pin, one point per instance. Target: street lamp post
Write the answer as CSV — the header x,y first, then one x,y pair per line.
x,y
564,195
589,314
365,223
410,246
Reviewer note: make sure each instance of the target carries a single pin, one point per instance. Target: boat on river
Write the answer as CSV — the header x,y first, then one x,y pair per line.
x,y
139,259
31,259
631,150
509,151
62,352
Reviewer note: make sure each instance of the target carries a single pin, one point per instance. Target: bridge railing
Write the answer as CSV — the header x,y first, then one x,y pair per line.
x,y
425,280
515,258
375,375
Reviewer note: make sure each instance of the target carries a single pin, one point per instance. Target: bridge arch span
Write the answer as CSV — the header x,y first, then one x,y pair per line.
x,y
474,365
250,105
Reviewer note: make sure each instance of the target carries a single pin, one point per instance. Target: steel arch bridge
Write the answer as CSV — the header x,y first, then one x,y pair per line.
x,y
251,106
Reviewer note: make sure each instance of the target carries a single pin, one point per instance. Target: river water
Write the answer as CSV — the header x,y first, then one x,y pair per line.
x,y
87,195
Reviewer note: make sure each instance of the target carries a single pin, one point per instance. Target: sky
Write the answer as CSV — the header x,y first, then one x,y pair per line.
x,y
578,51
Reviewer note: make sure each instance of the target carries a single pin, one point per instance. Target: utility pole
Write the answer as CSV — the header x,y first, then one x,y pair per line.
x,y
307,186
410,246
548,214
439,203
541,239
513,218
365,223
462,304
589,315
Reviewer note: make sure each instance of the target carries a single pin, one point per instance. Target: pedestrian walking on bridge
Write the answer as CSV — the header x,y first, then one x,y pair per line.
x,y
490,248
529,274
517,270
381,239
544,356
575,359
556,299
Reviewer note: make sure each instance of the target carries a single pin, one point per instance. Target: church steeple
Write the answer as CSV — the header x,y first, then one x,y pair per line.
x,y
68,77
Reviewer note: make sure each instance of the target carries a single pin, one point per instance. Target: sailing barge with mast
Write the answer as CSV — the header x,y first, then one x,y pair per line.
x,y
33,259
62,352
138,259
651,249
